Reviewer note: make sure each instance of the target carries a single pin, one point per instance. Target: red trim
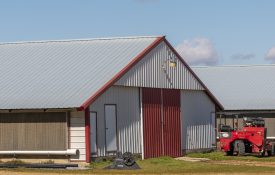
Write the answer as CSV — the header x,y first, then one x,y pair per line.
x,y
193,73
87,135
121,73
68,129
134,62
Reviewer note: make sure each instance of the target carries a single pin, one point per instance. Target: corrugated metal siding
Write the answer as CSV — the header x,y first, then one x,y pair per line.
x,y
62,74
153,71
128,118
152,122
171,122
198,129
77,134
33,131
161,122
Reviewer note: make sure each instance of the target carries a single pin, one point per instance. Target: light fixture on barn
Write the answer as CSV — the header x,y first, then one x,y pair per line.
x,y
170,62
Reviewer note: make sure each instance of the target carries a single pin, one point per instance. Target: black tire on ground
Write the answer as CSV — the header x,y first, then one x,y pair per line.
x,y
269,153
239,147
229,153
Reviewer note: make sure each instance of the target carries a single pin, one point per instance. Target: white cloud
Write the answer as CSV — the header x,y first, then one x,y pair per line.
x,y
270,55
198,51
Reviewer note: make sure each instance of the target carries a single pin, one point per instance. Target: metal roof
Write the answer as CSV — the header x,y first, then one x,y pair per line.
x,y
62,74
247,87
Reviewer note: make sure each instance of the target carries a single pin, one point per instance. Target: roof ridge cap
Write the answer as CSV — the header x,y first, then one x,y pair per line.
x,y
76,40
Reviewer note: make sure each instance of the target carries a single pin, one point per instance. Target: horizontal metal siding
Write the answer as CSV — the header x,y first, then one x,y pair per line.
x,y
128,118
153,71
77,134
198,129
33,131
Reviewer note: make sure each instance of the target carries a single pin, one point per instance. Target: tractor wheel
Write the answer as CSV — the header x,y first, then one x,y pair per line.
x,y
269,153
239,147
229,153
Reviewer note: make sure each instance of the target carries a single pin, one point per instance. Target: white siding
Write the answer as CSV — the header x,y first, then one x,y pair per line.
x,y
77,134
128,118
197,112
154,71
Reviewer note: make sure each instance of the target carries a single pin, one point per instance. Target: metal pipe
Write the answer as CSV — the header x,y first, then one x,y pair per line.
x,y
68,152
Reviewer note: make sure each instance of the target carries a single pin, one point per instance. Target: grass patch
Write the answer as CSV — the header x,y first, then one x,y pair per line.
x,y
170,165
100,165
15,161
48,162
160,166
217,155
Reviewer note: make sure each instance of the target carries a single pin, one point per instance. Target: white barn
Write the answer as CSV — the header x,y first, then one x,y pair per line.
x,y
78,99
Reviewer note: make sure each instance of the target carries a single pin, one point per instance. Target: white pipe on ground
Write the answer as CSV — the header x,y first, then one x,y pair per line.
x,y
68,152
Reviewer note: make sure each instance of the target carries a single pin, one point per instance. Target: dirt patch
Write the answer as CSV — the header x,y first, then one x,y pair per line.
x,y
191,159
40,173
228,162
248,163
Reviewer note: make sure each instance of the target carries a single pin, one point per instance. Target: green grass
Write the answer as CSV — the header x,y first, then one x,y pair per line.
x,y
15,161
220,156
160,166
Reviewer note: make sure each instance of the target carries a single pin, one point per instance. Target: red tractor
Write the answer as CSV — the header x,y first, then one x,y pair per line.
x,y
250,139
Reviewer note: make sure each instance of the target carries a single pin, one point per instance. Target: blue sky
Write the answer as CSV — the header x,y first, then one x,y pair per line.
x,y
206,32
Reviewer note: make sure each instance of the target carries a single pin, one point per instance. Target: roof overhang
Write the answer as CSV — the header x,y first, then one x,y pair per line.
x,y
245,111
38,110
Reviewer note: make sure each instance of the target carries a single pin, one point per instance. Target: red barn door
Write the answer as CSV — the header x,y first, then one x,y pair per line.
x,y
152,129
171,123
161,122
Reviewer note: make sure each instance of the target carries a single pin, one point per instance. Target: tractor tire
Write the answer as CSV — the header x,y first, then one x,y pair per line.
x,y
269,153
239,147
229,153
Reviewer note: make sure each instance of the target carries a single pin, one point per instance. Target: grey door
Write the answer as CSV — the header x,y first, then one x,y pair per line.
x,y
93,133
111,135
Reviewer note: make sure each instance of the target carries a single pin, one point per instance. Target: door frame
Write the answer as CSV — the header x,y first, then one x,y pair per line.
x,y
141,123
117,147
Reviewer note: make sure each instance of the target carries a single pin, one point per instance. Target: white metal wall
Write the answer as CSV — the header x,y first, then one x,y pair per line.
x,y
77,134
128,118
198,120
154,71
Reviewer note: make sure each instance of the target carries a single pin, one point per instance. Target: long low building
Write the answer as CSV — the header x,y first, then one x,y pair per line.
x,y
79,99
247,90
